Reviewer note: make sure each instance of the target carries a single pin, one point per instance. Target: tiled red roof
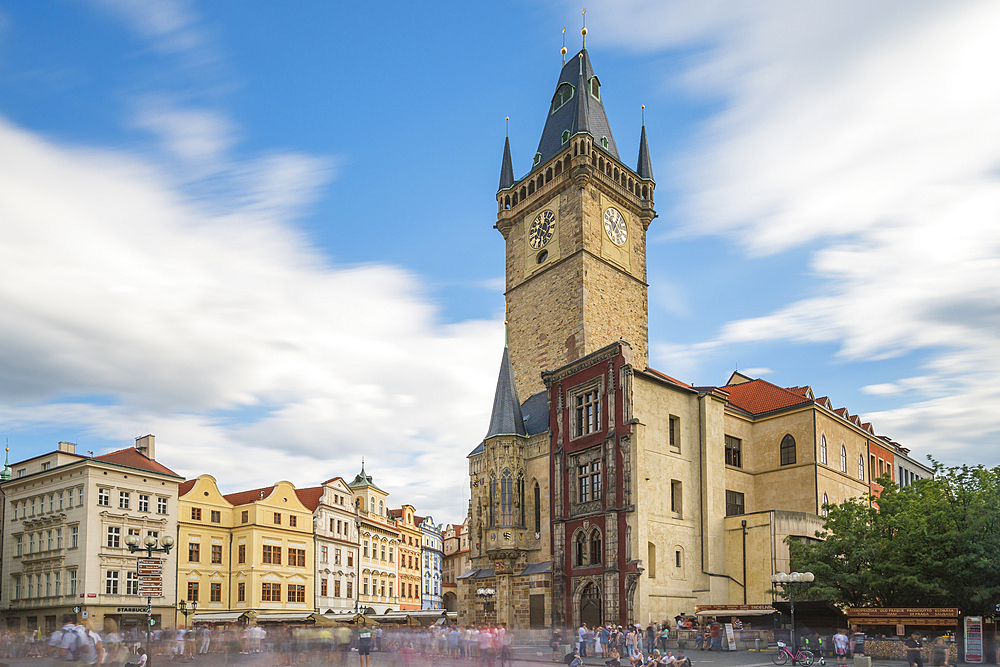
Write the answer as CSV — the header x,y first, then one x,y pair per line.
x,y
245,497
132,458
664,375
842,412
395,514
185,487
759,396
310,497
801,391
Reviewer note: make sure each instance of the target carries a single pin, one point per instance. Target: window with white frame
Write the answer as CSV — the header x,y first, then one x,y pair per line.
x,y
131,583
104,497
74,537
72,582
843,458
111,582
822,449
143,503
124,500
161,505
114,537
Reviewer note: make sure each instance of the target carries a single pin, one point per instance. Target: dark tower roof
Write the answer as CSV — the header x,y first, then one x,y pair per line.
x,y
507,418
644,167
506,168
583,112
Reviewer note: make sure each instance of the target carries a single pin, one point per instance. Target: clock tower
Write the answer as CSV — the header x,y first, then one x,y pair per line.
x,y
575,228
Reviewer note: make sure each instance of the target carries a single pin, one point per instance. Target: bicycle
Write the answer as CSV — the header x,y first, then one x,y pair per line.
x,y
801,656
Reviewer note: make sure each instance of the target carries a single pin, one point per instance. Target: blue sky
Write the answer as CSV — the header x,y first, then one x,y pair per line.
x,y
263,231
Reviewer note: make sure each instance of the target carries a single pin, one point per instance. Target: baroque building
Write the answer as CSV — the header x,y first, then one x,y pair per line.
x,y
408,568
614,492
379,537
432,550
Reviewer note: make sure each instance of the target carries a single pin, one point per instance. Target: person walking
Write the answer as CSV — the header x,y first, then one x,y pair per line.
x,y
365,640
840,644
913,647
940,655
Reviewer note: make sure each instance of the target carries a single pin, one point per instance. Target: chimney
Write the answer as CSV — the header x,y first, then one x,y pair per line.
x,y
68,447
145,446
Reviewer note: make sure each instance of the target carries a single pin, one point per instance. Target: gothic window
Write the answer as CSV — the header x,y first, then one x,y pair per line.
x,y
506,498
565,136
628,543
787,450
595,87
861,466
520,498
843,458
538,508
595,547
493,495
822,449
581,549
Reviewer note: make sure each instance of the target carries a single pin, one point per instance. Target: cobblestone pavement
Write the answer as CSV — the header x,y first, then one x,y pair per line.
x,y
524,656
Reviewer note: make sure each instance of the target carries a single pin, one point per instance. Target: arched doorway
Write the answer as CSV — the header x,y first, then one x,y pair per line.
x,y
451,601
590,606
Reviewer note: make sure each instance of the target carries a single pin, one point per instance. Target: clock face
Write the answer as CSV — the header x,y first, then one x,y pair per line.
x,y
614,225
541,229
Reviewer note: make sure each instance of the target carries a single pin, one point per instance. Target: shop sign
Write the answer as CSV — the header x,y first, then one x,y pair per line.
x,y
903,612
974,639
733,607
91,595
730,637
131,610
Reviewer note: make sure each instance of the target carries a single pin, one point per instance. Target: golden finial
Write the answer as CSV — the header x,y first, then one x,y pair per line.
x,y
563,49
584,31
644,115
508,124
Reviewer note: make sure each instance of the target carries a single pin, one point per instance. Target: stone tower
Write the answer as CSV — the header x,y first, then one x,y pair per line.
x,y
575,228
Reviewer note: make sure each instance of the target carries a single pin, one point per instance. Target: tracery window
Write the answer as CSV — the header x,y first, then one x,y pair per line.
x,y
521,498
595,547
843,458
493,495
506,498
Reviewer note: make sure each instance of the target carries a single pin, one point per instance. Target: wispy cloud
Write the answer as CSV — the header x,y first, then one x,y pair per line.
x,y
114,283
867,133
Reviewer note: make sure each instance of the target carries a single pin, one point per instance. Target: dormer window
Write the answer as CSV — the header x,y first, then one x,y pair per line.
x,y
565,136
564,93
604,143
538,159
595,87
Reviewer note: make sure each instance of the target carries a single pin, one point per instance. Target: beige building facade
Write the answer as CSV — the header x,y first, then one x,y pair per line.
x,y
379,537
67,517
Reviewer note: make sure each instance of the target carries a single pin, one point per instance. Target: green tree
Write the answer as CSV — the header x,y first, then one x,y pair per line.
x,y
935,543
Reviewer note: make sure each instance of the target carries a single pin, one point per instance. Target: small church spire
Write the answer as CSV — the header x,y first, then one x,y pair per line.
x,y
507,166
6,474
506,418
644,168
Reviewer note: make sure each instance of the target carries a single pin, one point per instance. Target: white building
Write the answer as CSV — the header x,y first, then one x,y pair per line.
x,y
336,535
66,521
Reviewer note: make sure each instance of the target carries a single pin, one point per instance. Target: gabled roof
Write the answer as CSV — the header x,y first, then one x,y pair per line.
x,y
310,496
506,418
247,497
582,113
130,457
185,487
506,167
760,396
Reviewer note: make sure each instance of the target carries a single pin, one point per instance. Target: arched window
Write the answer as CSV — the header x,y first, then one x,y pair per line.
x,y
628,543
538,508
826,500
822,449
861,466
520,499
372,505
843,458
581,549
787,450
506,498
493,496
565,138
595,547
564,93
381,508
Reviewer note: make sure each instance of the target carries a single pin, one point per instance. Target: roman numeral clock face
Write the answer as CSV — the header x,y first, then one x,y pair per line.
x,y
541,229
614,225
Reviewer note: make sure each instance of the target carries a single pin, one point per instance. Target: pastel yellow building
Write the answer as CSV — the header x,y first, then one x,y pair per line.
x,y
246,555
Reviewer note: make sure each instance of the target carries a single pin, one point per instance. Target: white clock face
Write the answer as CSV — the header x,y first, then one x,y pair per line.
x,y
541,229
614,225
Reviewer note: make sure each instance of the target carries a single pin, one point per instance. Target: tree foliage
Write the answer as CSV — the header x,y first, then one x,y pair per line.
x,y
934,543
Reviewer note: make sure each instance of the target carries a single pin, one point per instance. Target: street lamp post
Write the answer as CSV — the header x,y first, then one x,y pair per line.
x,y
788,581
485,594
357,579
150,545
187,609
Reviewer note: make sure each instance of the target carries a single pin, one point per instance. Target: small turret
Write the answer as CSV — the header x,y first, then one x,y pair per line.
x,y
644,168
6,474
506,167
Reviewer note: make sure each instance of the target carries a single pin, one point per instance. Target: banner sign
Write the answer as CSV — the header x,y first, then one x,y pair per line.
x,y
904,612
730,636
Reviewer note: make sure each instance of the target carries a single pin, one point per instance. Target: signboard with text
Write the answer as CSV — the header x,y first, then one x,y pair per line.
x,y
974,639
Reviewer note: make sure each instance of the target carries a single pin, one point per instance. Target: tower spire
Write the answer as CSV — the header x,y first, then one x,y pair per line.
x,y
506,418
644,168
506,167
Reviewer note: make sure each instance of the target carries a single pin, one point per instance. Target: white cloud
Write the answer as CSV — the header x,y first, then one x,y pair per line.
x,y
214,325
866,133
